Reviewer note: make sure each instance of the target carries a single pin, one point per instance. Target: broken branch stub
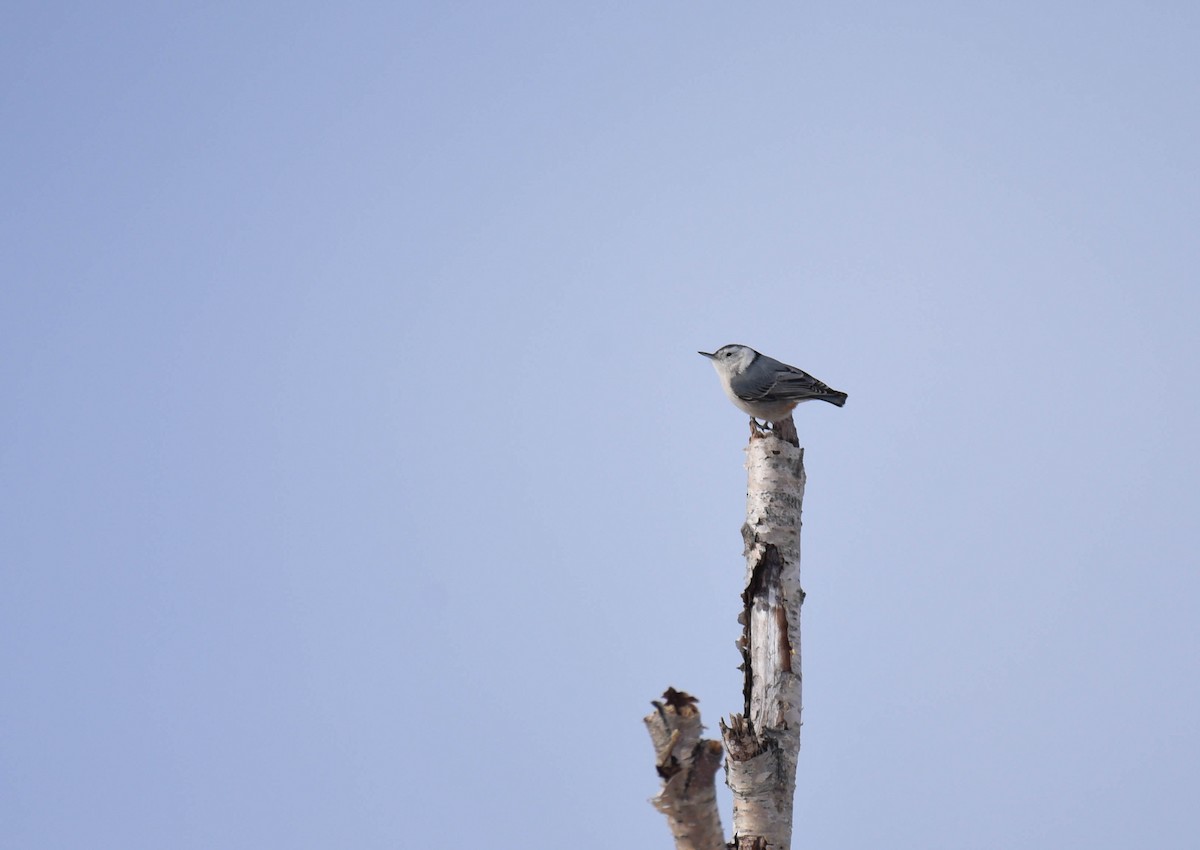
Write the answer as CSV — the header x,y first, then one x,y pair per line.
x,y
688,767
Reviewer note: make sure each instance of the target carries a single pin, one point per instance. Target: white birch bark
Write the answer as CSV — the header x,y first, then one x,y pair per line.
x,y
688,767
763,743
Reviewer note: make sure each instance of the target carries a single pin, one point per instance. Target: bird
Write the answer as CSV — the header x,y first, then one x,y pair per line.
x,y
763,386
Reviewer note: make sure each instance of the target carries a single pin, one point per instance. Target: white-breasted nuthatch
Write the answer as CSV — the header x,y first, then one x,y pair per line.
x,y
764,387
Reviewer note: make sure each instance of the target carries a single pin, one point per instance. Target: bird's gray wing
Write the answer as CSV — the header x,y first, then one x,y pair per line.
x,y
755,383
768,378
796,385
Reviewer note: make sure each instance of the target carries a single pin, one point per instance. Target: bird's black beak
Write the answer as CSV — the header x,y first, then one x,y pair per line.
x,y
706,354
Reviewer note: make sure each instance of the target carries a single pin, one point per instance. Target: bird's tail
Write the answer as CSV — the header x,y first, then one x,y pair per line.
x,y
835,398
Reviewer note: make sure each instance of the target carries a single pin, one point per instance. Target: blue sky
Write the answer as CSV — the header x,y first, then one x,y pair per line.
x,y
360,485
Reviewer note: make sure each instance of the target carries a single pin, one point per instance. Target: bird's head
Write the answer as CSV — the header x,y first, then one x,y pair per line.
x,y
731,359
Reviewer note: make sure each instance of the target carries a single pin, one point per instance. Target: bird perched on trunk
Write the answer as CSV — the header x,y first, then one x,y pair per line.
x,y
764,387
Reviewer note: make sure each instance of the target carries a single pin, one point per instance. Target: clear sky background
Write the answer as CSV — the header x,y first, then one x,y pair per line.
x,y
360,485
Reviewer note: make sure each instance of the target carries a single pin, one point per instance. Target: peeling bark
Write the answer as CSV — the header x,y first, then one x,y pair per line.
x,y
763,743
688,767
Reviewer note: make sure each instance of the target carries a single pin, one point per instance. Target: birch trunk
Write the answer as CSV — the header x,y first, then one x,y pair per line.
x,y
763,743
688,767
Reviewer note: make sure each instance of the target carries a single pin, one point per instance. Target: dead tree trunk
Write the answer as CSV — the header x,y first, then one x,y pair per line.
x,y
763,742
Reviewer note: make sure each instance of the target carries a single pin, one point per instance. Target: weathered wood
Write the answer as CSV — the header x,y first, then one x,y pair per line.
x,y
763,743
688,767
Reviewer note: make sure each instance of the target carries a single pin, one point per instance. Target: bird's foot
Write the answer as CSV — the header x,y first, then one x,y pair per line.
x,y
757,431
